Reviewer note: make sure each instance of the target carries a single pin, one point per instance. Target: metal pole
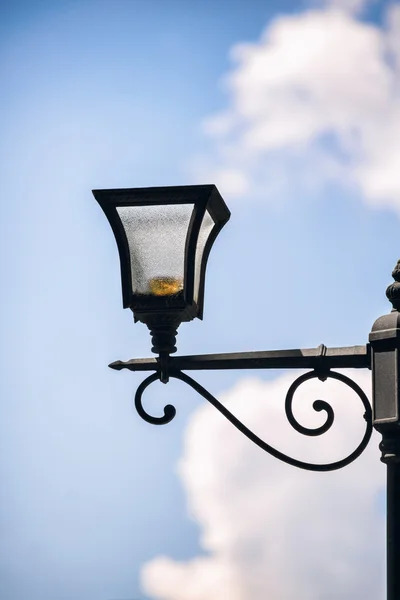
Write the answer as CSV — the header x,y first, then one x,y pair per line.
x,y
385,343
391,456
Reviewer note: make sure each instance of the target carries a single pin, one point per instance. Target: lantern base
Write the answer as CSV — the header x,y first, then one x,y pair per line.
x,y
163,339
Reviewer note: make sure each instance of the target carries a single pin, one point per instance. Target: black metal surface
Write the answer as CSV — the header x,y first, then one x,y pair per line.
x,y
351,357
390,447
318,405
170,412
190,251
110,212
385,357
386,386
220,214
151,196
163,340
393,531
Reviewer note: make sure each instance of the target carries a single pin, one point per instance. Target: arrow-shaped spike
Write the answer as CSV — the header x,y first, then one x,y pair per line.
x,y
117,365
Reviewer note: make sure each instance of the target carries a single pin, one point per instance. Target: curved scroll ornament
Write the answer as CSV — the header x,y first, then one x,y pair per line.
x,y
169,410
318,405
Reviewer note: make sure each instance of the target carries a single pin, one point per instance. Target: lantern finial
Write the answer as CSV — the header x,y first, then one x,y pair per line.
x,y
393,290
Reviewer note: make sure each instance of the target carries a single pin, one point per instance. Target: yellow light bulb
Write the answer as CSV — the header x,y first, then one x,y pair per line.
x,y
165,286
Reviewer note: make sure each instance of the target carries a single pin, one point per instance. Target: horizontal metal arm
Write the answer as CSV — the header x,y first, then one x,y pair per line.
x,y
321,358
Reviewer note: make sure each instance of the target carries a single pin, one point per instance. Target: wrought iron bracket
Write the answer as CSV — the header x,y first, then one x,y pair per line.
x,y
321,360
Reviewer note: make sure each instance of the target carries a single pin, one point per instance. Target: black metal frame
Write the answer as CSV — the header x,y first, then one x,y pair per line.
x,y
321,360
182,307
381,355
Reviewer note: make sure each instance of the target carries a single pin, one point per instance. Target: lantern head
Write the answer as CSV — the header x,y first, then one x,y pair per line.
x,y
164,236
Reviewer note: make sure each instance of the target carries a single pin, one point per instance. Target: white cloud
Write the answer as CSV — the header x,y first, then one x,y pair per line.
x,y
316,99
270,530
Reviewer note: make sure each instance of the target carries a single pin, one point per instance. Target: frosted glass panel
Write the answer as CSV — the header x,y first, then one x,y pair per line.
x,y
205,230
156,237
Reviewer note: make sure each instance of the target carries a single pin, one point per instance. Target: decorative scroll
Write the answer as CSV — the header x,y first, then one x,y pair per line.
x,y
169,410
318,405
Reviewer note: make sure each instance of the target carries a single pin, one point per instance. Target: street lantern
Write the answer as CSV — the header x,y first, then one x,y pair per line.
x,y
164,236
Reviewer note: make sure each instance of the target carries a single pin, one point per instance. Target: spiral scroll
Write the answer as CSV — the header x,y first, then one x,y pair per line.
x,y
169,410
318,405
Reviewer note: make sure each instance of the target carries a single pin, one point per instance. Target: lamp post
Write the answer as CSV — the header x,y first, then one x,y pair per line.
x,y
164,236
385,343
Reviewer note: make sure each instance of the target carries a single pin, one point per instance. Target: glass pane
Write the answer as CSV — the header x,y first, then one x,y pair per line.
x,y
205,230
156,237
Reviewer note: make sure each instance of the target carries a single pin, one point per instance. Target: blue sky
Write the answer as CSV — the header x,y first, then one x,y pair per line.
x,y
101,94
